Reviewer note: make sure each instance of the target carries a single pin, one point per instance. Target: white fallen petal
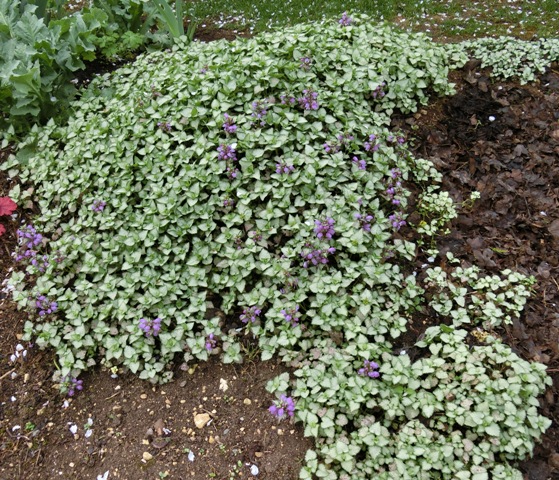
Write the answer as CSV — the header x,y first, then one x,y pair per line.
x,y
90,421
16,427
88,433
191,456
19,347
74,429
254,470
104,476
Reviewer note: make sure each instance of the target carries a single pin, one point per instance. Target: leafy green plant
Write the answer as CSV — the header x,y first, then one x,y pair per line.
x,y
267,180
173,20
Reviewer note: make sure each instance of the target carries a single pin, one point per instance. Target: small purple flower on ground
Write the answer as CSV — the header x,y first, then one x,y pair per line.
x,y
285,100
397,221
165,126
345,20
371,145
309,100
229,124
305,63
259,111
232,172
291,315
73,385
228,202
316,256
365,221
285,405
284,168
28,240
256,235
250,314
379,92
361,164
369,369
150,327
226,152
324,229
45,306
210,342
98,205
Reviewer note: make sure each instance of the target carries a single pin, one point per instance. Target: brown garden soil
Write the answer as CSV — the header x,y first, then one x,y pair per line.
x,y
141,431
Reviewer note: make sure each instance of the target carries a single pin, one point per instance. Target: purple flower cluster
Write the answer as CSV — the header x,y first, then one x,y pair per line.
x,y
361,164
98,206
45,306
150,327
232,172
228,202
165,126
282,406
259,111
316,256
285,100
379,92
250,314
28,240
398,140
305,63
324,229
41,265
397,221
73,385
290,315
309,100
210,342
226,152
345,20
341,141
369,369
229,124
284,168
394,187
256,235
364,220
371,145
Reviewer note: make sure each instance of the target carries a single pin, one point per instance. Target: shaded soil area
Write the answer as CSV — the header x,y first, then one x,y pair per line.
x,y
502,140
499,138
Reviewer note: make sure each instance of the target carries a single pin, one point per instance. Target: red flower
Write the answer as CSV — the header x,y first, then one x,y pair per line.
x,y
7,206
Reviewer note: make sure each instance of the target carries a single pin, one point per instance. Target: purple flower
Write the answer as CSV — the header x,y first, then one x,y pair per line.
x,y
226,152
361,164
282,406
345,20
316,256
284,168
228,202
210,342
98,205
165,126
291,315
259,111
150,327
379,92
371,146
73,385
309,100
45,306
229,124
397,221
287,100
232,172
250,314
305,63
324,229
364,220
369,369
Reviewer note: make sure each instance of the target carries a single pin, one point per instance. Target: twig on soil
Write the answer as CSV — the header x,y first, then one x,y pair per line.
x,y
114,395
7,373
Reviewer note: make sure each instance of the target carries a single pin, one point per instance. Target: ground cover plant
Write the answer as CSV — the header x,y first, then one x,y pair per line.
x,y
266,197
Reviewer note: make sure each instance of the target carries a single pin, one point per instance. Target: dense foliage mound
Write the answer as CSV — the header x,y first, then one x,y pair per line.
x,y
207,194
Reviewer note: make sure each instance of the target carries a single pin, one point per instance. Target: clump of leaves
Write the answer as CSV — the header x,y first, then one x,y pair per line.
x,y
283,227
